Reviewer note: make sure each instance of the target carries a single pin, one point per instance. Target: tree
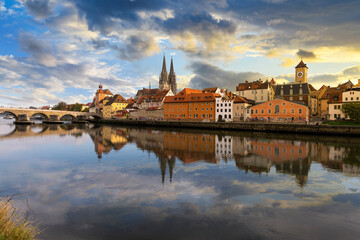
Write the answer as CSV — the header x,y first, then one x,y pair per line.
x,y
77,107
60,106
352,110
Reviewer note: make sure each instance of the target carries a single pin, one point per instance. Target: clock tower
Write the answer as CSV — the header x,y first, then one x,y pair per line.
x,y
301,73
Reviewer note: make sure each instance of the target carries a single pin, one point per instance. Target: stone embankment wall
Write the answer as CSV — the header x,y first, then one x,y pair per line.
x,y
151,114
253,127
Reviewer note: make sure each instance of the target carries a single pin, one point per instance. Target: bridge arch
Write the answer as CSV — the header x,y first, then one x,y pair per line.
x,y
40,114
11,113
67,115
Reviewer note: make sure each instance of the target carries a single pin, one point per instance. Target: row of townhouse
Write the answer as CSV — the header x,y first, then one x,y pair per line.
x,y
351,95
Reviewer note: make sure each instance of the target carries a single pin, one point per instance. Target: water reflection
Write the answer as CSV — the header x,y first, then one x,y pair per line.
x,y
252,154
102,182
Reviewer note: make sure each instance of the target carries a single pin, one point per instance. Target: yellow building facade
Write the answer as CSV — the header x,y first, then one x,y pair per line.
x,y
116,103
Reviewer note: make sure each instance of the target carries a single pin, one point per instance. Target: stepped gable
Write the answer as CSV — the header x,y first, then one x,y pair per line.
x,y
252,85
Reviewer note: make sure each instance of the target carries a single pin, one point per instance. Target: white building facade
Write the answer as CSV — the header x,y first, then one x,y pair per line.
x,y
224,109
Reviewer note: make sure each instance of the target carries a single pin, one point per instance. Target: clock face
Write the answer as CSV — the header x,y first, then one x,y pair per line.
x,y
300,74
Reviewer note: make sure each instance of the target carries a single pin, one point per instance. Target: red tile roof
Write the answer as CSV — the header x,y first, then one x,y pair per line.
x,y
252,85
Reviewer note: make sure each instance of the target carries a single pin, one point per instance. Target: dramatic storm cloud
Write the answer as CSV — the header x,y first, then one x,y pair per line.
x,y
118,42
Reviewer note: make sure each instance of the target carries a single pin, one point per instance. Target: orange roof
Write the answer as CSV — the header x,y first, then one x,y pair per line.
x,y
242,100
116,99
253,85
212,89
192,97
312,88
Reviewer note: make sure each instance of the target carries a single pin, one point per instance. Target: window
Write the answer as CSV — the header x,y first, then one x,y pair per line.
x,y
190,109
269,111
203,109
225,110
292,111
262,111
252,111
300,97
283,104
277,109
203,116
190,115
284,111
346,99
256,111
210,116
237,107
300,111
291,98
217,110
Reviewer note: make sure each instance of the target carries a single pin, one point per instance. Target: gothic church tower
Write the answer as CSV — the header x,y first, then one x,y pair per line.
x,y
168,82
163,79
172,78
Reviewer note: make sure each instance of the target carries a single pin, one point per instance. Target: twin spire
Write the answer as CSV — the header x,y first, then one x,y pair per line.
x,y
168,82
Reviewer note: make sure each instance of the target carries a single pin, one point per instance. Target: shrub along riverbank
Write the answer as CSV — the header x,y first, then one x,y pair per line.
x,y
13,226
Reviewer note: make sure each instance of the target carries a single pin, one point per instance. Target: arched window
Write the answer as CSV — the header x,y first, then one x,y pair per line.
x,y
277,109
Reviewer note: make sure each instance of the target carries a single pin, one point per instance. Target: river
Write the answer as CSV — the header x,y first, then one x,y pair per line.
x,y
109,182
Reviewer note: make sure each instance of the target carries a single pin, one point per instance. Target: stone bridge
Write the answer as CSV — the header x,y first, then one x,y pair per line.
x,y
24,115
41,130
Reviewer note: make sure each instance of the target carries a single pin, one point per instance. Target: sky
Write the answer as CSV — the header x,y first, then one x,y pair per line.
x,y
60,50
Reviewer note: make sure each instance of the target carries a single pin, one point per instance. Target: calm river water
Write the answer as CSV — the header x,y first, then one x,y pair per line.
x,y
103,182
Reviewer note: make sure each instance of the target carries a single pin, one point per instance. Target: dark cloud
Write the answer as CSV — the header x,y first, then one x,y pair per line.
x,y
305,54
208,75
200,23
39,8
39,49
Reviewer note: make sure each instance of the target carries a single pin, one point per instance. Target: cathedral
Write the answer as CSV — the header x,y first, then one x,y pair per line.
x,y
168,82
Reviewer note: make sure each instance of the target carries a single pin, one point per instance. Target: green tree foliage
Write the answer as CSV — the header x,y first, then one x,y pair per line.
x,y
60,106
352,110
77,107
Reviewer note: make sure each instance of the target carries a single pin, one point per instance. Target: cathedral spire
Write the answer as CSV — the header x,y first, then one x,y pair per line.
x,y
172,78
164,66
163,78
171,67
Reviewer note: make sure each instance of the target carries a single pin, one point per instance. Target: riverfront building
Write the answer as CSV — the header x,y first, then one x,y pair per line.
x,y
280,110
241,108
115,103
348,96
257,91
191,104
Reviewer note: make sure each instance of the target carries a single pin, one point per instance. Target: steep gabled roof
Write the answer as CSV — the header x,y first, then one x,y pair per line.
x,y
252,85
212,89
301,65
117,98
243,100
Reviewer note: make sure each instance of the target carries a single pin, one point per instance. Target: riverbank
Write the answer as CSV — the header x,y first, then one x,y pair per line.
x,y
251,126
13,226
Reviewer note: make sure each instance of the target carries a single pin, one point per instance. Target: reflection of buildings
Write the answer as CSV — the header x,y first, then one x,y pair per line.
x,y
107,138
189,147
250,154
223,147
